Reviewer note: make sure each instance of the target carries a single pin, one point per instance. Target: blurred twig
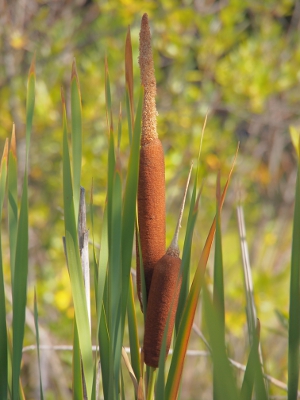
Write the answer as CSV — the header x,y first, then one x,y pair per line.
x,y
190,353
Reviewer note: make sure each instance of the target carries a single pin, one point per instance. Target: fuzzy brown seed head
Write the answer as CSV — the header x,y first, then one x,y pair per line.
x,y
151,209
163,299
148,81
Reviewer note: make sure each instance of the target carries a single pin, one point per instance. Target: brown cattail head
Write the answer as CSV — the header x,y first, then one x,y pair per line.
x,y
148,81
163,297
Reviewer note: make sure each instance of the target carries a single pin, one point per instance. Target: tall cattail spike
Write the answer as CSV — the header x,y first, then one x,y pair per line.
x,y
148,81
173,249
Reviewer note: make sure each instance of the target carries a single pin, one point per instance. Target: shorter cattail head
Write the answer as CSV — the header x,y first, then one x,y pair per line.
x,y
163,298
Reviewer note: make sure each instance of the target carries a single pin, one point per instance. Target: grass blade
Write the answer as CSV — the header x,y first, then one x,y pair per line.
x,y
115,277
95,260
224,382
186,256
250,304
20,287
76,366
36,324
3,331
218,290
30,105
129,206
253,374
218,293
294,311
103,260
129,84
133,333
74,262
115,270
21,263
12,186
188,314
76,119
109,118
105,358
110,181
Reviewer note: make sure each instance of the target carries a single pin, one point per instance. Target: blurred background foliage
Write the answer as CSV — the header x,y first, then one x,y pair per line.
x,y
238,61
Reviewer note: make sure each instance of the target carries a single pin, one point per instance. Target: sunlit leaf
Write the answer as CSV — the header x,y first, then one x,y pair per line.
x,y
3,329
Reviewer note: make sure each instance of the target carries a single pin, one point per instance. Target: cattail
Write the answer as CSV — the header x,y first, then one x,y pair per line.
x,y
151,186
163,298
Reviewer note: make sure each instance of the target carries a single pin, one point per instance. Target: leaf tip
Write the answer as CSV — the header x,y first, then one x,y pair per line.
x,y
74,70
32,66
218,189
62,95
13,144
5,153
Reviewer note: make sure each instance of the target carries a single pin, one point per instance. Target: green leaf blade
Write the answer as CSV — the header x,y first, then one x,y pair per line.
x,y
3,328
36,324
129,206
224,382
294,309
12,187
74,263
20,288
76,118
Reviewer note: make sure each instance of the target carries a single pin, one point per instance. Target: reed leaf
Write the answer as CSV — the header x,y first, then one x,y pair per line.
x,y
186,256
129,205
186,323
133,332
248,284
102,270
294,309
109,117
74,262
30,100
105,357
36,324
94,257
77,380
254,374
3,327
186,253
12,188
218,289
110,182
21,260
129,84
115,276
224,382
115,270
20,288
76,137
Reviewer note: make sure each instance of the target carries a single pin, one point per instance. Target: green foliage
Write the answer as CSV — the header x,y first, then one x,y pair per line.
x,y
294,326
240,60
3,327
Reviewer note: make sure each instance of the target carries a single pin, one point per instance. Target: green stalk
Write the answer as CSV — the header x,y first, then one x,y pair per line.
x,y
294,312
21,262
3,327
151,384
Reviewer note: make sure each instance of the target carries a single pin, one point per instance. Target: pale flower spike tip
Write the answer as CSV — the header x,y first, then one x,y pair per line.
x,y
149,131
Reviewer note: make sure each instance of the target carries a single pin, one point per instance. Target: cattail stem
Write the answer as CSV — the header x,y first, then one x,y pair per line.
x,y
163,298
151,186
151,384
